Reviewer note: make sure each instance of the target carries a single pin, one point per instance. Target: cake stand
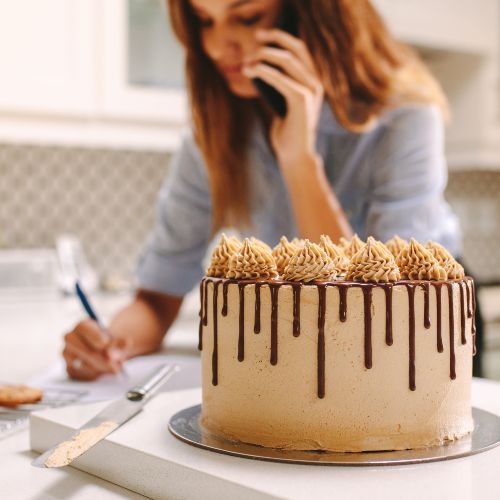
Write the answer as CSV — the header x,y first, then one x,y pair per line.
x,y
185,426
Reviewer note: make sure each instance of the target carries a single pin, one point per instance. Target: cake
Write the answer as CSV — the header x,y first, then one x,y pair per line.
x,y
347,348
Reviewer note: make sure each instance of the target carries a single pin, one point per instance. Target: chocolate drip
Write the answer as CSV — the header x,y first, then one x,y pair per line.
x,y
343,289
205,305
224,298
200,314
437,287
453,375
388,314
296,308
256,324
427,317
343,303
473,328
411,303
241,334
215,352
367,295
321,340
469,310
274,323
462,314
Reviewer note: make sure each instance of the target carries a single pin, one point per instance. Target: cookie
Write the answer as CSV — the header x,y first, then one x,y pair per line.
x,y
13,395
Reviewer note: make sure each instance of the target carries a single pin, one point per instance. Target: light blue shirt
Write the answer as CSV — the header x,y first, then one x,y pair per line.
x,y
389,180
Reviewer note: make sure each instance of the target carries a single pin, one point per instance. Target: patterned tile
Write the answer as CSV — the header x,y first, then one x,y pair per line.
x,y
107,198
474,195
104,197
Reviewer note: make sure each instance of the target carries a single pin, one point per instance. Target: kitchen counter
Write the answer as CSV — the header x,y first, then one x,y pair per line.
x,y
32,327
32,341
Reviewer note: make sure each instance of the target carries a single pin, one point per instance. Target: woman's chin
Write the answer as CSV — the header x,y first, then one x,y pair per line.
x,y
243,88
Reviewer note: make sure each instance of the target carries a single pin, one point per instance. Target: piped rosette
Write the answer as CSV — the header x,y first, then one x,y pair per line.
x,y
222,253
417,263
252,261
453,269
310,263
373,263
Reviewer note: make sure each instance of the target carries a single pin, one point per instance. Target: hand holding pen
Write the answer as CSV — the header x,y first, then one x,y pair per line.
x,y
90,349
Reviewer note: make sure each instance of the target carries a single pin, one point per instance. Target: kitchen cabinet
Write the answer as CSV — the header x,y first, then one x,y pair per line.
x,y
465,26
47,57
137,36
66,75
87,72
460,42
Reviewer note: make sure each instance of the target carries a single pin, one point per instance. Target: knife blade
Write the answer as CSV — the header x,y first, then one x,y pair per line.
x,y
106,421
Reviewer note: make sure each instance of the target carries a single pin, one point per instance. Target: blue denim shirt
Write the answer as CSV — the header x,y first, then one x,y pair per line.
x,y
389,180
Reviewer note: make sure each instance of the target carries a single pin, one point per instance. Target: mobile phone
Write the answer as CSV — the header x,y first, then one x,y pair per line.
x,y
288,22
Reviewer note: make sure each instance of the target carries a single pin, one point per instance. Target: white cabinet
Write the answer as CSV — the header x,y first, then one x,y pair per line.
x,y
95,72
466,26
47,57
460,40
123,98
64,68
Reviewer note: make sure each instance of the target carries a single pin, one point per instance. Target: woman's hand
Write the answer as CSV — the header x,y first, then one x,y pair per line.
x,y
89,352
293,137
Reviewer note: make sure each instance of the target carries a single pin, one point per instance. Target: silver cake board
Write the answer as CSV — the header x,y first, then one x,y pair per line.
x,y
185,426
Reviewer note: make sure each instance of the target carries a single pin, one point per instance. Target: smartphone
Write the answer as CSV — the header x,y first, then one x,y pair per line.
x,y
288,22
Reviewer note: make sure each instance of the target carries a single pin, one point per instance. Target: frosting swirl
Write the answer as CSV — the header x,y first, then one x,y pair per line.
x,y
251,262
417,263
340,261
395,245
309,263
224,250
283,252
374,262
354,246
298,241
261,243
453,269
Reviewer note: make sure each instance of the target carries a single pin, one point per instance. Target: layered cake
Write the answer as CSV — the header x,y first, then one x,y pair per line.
x,y
353,347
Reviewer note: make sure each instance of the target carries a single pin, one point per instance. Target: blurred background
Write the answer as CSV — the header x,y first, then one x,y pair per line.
x,y
92,106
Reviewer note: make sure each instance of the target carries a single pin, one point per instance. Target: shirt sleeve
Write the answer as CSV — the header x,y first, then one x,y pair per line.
x,y
409,175
171,261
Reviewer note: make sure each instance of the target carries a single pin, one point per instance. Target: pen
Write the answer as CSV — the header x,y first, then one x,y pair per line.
x,y
91,311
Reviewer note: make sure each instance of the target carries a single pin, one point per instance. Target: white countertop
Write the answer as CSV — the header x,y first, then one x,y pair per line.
x,y
32,327
31,338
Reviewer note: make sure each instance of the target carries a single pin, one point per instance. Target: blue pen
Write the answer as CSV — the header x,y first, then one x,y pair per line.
x,y
90,310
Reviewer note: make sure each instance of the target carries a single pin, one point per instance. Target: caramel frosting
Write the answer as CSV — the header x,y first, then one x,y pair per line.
x,y
453,269
340,261
373,263
354,246
417,263
225,249
343,243
261,243
283,252
252,261
310,263
298,241
395,245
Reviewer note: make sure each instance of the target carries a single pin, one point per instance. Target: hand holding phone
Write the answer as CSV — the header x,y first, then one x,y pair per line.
x,y
287,22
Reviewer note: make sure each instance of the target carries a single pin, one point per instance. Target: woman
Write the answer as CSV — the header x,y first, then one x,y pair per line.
x,y
359,150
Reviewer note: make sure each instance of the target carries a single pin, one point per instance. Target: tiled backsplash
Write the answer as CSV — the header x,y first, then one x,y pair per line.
x,y
107,198
104,197
475,197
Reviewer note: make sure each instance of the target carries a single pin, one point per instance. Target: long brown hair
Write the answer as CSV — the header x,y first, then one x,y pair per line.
x,y
363,69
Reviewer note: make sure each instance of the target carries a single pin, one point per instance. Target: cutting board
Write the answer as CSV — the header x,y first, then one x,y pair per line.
x,y
144,457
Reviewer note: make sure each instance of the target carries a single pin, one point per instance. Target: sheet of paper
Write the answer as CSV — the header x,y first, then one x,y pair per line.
x,y
113,386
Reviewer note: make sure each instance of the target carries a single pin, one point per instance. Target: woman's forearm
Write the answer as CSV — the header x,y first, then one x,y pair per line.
x,y
316,209
143,323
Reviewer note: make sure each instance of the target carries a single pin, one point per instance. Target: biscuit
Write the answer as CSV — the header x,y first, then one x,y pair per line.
x,y
13,395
